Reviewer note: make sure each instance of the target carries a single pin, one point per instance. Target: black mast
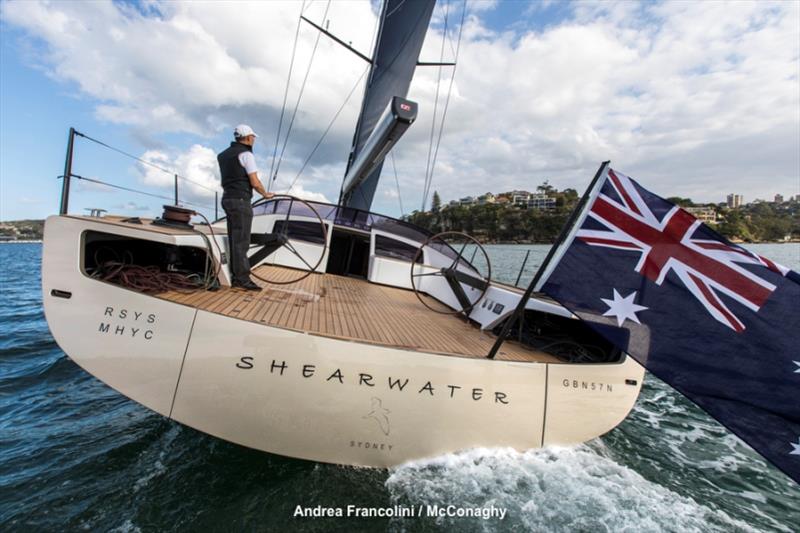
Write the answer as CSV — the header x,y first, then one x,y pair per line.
x,y
402,30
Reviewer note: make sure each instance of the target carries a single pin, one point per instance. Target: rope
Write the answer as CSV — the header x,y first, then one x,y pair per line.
x,y
330,125
299,96
210,254
433,122
397,182
113,186
143,161
285,94
446,103
147,279
151,279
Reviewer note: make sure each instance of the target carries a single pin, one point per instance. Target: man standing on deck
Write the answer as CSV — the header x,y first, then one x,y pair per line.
x,y
237,168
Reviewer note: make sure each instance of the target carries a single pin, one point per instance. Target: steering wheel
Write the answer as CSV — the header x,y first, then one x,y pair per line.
x,y
452,275
270,242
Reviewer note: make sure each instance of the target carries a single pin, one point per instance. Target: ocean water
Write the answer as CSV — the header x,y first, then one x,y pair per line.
x,y
75,455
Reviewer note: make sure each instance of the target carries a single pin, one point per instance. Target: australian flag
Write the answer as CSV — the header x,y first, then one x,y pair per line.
x,y
712,319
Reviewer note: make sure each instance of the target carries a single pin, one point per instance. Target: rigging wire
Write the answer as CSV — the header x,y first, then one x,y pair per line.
x,y
397,182
333,120
114,186
300,95
433,122
325,133
143,161
447,101
285,95
449,33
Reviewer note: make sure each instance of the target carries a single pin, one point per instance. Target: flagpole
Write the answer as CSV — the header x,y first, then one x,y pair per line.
x,y
565,232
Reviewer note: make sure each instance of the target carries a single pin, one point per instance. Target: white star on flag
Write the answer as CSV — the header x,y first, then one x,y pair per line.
x,y
623,308
795,447
798,367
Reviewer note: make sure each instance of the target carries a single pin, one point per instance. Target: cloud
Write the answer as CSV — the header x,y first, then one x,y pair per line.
x,y
198,165
193,67
688,97
300,192
694,99
197,168
131,206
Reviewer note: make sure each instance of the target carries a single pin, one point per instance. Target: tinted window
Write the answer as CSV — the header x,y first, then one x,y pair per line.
x,y
301,230
354,218
393,248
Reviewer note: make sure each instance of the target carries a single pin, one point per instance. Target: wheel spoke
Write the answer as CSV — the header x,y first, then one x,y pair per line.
x,y
437,273
295,252
454,275
281,238
458,257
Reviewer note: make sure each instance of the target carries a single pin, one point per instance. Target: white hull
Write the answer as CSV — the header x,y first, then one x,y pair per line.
x,y
310,396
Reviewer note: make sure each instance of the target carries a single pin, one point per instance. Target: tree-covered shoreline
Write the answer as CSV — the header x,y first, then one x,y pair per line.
x,y
504,223
21,230
510,224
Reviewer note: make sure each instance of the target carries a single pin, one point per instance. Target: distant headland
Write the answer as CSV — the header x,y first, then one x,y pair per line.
x,y
21,231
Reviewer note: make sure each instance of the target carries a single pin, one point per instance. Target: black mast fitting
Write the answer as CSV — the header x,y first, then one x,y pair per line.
x,y
398,116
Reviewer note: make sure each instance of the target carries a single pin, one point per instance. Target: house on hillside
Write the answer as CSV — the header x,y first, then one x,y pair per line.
x,y
704,213
467,201
541,202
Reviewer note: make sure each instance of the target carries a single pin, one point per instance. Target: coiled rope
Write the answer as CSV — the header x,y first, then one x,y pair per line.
x,y
151,279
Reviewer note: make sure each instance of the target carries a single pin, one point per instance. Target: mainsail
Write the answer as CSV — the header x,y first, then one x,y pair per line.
x,y
402,30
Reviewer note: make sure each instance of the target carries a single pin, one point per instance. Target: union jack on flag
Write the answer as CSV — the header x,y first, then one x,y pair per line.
x,y
717,322
672,241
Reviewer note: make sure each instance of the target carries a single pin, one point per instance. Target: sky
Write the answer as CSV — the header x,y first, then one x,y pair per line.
x,y
692,99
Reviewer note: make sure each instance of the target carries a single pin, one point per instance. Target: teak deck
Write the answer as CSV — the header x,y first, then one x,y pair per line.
x,y
353,309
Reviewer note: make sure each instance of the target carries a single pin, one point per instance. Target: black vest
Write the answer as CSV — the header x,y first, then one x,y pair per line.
x,y
235,182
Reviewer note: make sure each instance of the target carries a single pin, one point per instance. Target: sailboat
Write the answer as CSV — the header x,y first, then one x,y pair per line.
x,y
373,341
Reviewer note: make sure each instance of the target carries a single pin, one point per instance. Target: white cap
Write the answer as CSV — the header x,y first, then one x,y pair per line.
x,y
243,130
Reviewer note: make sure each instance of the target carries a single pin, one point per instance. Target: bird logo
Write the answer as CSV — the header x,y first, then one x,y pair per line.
x,y
379,414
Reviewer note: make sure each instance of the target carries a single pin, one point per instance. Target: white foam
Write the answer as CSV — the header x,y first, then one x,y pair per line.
x,y
553,489
154,466
126,527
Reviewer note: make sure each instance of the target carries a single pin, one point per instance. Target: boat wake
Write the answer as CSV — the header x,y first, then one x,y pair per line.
x,y
552,489
76,455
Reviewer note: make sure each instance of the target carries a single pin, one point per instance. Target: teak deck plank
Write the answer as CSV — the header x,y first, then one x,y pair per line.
x,y
353,309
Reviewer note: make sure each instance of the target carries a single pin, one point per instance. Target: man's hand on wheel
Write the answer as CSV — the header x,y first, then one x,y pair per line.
x,y
268,195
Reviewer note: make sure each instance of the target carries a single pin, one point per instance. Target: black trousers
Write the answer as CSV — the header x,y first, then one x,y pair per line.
x,y
239,215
